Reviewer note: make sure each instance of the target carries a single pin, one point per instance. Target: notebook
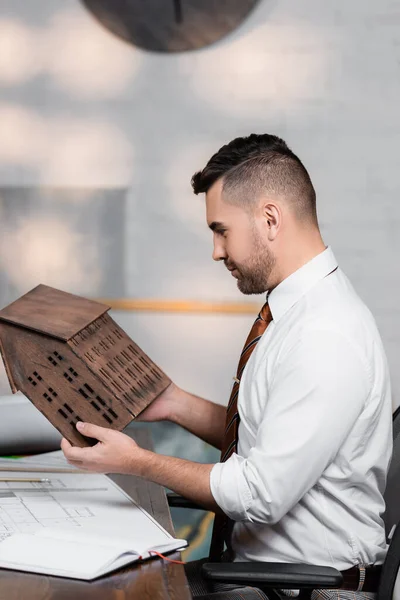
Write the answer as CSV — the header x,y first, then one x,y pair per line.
x,y
74,525
75,554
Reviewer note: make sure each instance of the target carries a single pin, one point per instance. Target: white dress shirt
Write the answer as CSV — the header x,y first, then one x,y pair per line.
x,y
315,434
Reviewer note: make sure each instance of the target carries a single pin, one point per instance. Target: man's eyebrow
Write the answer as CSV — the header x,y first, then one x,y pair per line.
x,y
215,225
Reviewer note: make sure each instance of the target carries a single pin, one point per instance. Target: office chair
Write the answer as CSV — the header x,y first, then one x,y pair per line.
x,y
268,576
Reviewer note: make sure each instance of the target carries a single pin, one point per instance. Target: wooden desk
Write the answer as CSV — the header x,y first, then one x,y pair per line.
x,y
151,580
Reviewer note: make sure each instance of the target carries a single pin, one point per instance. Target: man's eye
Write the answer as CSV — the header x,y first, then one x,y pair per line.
x,y
221,232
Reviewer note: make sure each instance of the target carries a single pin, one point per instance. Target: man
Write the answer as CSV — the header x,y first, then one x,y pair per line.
x,y
306,439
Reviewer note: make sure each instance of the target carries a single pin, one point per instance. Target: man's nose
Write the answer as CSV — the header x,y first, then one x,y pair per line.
x,y
218,251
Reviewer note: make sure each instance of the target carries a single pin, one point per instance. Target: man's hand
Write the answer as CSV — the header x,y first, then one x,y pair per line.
x,y
162,408
201,417
115,452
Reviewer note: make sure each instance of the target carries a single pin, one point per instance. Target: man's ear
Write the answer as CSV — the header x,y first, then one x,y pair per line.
x,y
272,215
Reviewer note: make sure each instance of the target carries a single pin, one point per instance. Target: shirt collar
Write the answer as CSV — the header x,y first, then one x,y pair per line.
x,y
291,289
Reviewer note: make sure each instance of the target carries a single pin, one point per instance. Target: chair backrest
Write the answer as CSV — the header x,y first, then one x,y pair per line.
x,y
389,588
392,492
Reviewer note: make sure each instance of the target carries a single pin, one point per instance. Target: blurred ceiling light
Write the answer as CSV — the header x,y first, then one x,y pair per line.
x,y
81,57
85,60
86,153
18,56
23,136
48,251
66,151
266,67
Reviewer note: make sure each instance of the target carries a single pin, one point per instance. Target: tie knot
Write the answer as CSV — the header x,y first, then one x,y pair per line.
x,y
265,313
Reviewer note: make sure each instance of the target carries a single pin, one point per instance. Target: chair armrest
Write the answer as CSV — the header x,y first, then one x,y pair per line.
x,y
271,574
177,501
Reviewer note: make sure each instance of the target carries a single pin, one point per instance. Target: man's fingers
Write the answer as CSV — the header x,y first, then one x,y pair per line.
x,y
77,463
65,445
75,454
93,431
68,450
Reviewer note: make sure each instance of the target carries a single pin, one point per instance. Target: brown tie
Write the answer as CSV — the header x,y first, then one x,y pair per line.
x,y
222,523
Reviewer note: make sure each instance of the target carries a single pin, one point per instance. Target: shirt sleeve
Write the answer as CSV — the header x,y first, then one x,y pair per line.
x,y
316,394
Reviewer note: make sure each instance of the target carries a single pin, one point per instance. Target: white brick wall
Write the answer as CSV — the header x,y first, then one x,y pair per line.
x,y
79,107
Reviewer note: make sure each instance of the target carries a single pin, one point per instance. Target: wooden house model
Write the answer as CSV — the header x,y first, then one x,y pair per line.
x,y
73,361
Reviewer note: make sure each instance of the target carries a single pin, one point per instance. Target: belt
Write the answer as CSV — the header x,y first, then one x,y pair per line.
x,y
353,578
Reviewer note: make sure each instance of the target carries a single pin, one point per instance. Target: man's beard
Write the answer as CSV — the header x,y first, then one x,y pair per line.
x,y
253,276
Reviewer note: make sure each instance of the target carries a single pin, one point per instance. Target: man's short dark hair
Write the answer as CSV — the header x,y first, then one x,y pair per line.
x,y
257,164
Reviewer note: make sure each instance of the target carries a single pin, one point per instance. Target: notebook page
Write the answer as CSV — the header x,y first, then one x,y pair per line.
x,y
141,534
76,502
44,554
83,504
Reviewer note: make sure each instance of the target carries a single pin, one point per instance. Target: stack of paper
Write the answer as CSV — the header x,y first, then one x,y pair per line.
x,y
72,524
49,461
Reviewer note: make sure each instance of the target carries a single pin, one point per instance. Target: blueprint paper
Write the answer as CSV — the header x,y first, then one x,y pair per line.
x,y
77,502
